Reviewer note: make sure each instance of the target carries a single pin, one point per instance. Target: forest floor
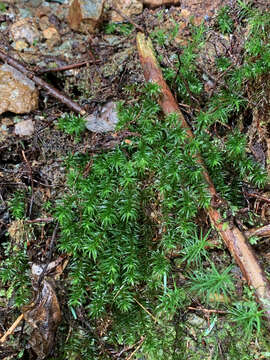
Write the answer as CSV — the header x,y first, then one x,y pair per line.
x,y
43,174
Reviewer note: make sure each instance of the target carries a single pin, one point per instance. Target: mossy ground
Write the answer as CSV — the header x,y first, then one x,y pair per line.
x,y
147,276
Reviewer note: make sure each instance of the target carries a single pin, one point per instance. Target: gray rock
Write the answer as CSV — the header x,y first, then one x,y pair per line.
x,y
24,128
104,120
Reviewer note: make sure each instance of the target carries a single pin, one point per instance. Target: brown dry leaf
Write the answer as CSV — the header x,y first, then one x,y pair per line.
x,y
16,230
43,314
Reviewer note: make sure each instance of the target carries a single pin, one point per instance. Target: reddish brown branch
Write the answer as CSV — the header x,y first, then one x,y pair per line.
x,y
234,239
67,67
259,197
37,80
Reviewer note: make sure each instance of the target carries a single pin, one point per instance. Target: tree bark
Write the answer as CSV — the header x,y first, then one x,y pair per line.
x,y
234,239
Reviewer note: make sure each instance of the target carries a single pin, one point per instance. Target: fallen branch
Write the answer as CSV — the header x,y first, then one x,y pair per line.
x,y
66,67
234,239
263,231
37,80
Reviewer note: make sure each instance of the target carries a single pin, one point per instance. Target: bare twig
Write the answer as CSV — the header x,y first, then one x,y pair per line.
x,y
41,277
128,19
259,197
234,239
209,311
11,329
137,348
66,67
148,312
51,90
32,184
40,220
263,231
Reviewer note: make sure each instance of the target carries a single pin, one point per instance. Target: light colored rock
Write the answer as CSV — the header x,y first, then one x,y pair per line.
x,y
104,120
52,36
50,33
18,94
24,128
25,29
127,7
44,22
84,15
20,45
156,3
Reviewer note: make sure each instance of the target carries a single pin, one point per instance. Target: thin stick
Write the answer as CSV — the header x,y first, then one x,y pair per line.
x,y
66,67
32,183
11,329
137,348
262,198
128,19
40,220
51,90
208,310
148,312
41,277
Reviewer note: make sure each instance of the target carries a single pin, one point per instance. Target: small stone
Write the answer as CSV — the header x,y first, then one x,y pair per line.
x,y
18,94
112,39
20,45
52,36
25,29
50,33
6,122
103,121
24,128
44,23
84,15
127,7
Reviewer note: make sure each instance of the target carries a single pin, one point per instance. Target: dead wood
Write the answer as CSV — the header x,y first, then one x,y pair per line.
x,y
263,231
67,67
234,239
43,84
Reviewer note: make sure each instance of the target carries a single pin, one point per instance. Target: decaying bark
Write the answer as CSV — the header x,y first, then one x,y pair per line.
x,y
234,239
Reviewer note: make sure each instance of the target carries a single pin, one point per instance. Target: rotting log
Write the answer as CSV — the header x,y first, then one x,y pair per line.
x,y
234,239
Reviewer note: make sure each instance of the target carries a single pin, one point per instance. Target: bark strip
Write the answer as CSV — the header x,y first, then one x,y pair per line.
x,y
234,239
